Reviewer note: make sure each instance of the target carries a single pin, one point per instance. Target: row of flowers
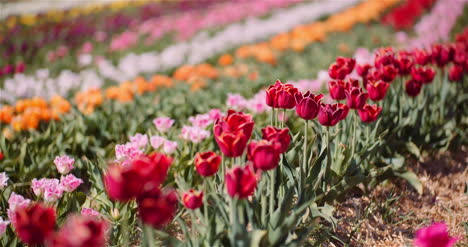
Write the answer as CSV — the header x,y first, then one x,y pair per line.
x,y
404,16
196,75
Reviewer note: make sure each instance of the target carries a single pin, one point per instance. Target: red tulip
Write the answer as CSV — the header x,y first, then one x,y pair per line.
x,y
362,70
307,105
79,231
241,181
384,57
461,54
440,55
207,163
125,182
413,87
341,68
356,98
281,95
264,154
404,63
337,89
388,73
233,132
8,69
377,89
423,75
192,199
35,224
421,57
1,155
280,136
20,67
156,207
369,113
331,114
456,73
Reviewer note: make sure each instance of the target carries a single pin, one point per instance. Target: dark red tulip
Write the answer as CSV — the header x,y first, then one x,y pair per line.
x,y
307,105
20,67
440,55
377,89
280,136
8,69
388,73
125,182
82,231
264,154
34,224
157,207
192,199
362,70
384,57
356,98
455,73
413,87
207,163
281,95
404,63
369,113
460,54
337,89
424,75
421,57
233,132
341,68
331,114
241,181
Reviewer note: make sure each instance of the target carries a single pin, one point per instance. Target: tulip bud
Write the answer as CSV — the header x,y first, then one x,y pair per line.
x,y
264,154
337,89
377,90
456,73
413,87
281,95
369,113
355,98
233,132
331,114
207,163
157,208
280,136
241,181
423,75
307,105
192,199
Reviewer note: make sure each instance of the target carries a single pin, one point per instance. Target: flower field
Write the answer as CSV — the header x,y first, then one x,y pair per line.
x,y
234,123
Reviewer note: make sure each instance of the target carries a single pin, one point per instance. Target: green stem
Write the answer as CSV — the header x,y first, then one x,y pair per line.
x,y
328,168
272,191
205,199
149,236
233,218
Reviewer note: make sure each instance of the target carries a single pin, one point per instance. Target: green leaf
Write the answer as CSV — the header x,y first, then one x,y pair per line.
x,y
413,149
412,179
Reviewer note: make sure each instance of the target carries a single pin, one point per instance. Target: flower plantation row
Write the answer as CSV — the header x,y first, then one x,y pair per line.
x,y
276,181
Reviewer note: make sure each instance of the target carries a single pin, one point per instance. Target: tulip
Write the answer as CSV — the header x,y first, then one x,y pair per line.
x,y
377,90
384,57
331,114
356,98
69,182
241,181
280,136
440,55
192,199
362,70
81,231
34,224
337,89
413,87
157,208
20,67
435,235
423,75
341,68
388,73
264,154
233,132
456,73
207,163
404,63
64,164
369,113
421,57
307,105
8,69
281,95
163,124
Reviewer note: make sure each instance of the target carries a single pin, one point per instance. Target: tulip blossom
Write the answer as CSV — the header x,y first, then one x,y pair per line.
x,y
69,182
156,207
81,231
50,189
341,68
356,97
280,136
264,154
236,101
440,55
163,124
139,140
281,95
207,163
377,89
435,235
423,75
34,224
307,105
127,151
241,181
413,87
362,70
125,182
369,113
421,57
64,164
170,147
233,132
201,121
3,226
1,155
157,141
194,134
337,89
3,180
388,73
384,56
192,199
455,73
90,212
331,114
